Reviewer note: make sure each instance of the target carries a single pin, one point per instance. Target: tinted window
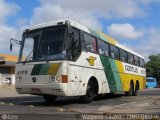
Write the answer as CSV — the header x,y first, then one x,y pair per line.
x,y
103,48
75,45
123,56
114,52
142,64
150,80
90,43
136,60
130,58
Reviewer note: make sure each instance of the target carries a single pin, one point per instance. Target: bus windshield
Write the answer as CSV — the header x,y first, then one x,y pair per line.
x,y
150,80
43,44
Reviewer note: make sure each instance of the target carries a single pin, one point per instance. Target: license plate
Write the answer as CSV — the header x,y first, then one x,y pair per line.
x,y
35,90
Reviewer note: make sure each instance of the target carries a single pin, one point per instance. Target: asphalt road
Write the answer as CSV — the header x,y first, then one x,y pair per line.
x,y
16,106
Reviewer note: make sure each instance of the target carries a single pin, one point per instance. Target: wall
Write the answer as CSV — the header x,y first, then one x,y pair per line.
x,y
5,78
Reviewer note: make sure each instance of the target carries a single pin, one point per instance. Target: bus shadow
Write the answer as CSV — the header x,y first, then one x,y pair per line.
x,y
61,101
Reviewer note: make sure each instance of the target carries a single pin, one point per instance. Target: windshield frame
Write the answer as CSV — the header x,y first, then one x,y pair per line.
x,y
20,59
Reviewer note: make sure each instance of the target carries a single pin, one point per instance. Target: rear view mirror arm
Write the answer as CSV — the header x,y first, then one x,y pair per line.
x,y
16,41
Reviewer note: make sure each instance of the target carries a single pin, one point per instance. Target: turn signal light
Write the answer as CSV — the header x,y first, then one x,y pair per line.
x,y
64,78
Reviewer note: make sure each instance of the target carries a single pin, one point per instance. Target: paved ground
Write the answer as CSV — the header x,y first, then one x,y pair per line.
x,y
29,106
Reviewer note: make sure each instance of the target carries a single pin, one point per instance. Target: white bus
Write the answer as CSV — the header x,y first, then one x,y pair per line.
x,y
65,58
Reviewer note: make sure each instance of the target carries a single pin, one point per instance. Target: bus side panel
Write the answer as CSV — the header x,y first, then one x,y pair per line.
x,y
134,75
82,70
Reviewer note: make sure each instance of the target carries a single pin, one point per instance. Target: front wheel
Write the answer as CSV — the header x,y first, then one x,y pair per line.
x,y
90,94
50,98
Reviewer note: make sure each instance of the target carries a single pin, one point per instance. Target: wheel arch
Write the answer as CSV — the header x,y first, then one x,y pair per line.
x,y
95,81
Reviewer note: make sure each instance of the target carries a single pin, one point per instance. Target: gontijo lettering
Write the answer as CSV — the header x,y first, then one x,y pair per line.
x,y
131,68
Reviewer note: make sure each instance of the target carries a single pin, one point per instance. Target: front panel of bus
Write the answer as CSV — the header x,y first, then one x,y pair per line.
x,y
42,66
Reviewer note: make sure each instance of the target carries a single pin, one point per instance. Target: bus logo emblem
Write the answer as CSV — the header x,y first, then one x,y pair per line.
x,y
91,60
34,79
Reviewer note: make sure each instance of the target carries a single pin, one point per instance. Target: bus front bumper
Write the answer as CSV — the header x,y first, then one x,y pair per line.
x,y
42,89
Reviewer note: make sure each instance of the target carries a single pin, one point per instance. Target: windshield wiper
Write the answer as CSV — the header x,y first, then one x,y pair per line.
x,y
28,57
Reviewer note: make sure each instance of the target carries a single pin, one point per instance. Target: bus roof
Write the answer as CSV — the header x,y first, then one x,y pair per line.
x,y
96,33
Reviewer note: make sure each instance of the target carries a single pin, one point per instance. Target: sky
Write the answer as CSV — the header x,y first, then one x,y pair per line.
x,y
133,23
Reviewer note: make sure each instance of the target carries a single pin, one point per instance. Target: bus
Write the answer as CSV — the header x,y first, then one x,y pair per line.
x,y
66,58
151,82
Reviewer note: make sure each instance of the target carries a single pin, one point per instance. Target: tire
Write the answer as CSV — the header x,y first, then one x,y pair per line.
x,y
50,98
131,90
135,93
90,93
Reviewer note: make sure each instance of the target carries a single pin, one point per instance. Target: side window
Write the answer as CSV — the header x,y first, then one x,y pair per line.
x,y
76,44
117,53
123,56
90,43
103,48
130,58
142,64
136,60
114,52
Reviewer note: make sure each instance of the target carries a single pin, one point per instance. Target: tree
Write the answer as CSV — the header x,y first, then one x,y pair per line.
x,y
153,66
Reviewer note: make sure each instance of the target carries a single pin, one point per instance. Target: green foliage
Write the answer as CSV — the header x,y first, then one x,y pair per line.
x,y
153,66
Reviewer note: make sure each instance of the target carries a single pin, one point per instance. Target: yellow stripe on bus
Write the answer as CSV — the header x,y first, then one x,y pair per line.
x,y
53,69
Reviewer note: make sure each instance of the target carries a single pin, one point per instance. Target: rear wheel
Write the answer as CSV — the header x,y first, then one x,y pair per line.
x,y
50,98
131,90
90,93
135,93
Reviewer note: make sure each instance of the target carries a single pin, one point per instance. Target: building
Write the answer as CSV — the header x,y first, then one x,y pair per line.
x,y
7,69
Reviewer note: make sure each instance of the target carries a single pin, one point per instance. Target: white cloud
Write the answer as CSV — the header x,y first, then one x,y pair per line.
x,y
86,12
49,12
150,44
6,32
105,8
7,9
124,31
147,2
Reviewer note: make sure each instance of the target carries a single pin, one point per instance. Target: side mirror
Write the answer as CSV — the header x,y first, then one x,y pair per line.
x,y
11,46
16,41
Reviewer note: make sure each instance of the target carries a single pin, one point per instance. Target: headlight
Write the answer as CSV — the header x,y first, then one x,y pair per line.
x,y
52,79
58,79
55,79
19,79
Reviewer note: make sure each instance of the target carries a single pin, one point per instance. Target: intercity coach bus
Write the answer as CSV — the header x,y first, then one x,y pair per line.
x,y
65,58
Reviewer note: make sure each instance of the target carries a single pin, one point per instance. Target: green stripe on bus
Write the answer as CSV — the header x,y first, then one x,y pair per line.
x,y
98,35
111,73
44,69
116,74
36,69
94,33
